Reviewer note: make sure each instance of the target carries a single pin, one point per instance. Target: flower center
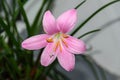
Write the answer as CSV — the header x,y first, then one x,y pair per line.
x,y
58,39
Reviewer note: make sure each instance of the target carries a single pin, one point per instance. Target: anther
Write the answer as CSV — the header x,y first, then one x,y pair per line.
x,y
65,36
56,46
49,40
64,42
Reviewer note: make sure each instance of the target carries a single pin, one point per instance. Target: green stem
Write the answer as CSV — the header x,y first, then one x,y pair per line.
x,y
89,33
5,46
8,7
25,17
10,35
90,17
13,23
38,19
6,13
38,15
80,4
34,68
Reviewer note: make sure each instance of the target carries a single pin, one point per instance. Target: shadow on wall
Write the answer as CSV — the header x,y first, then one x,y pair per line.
x,y
103,27
83,71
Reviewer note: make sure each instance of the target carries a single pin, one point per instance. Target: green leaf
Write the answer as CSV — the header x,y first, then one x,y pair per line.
x,y
91,16
7,7
14,65
87,33
80,4
11,67
27,75
34,25
38,19
10,35
10,24
6,13
25,17
39,72
10,72
5,45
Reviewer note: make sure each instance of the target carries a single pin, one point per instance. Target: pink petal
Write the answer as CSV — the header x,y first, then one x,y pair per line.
x,y
67,20
75,45
49,23
35,42
48,55
66,60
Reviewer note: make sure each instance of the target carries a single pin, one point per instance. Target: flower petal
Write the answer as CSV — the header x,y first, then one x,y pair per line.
x,y
49,23
48,55
35,42
75,45
66,60
67,20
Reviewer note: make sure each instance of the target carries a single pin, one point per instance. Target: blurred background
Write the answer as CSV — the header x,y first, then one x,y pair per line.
x,y
103,46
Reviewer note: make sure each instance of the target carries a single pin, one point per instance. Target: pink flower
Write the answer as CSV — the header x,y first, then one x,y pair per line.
x,y
56,42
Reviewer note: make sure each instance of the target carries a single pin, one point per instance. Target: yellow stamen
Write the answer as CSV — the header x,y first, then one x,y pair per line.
x,y
65,36
60,48
58,45
49,40
64,42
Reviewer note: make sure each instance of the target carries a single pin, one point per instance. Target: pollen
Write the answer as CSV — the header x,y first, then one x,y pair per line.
x,y
65,36
49,40
58,46
64,42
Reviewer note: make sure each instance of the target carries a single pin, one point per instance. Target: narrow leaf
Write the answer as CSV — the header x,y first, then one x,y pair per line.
x,y
7,30
24,17
91,16
80,4
5,45
89,33
38,20
38,14
6,13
